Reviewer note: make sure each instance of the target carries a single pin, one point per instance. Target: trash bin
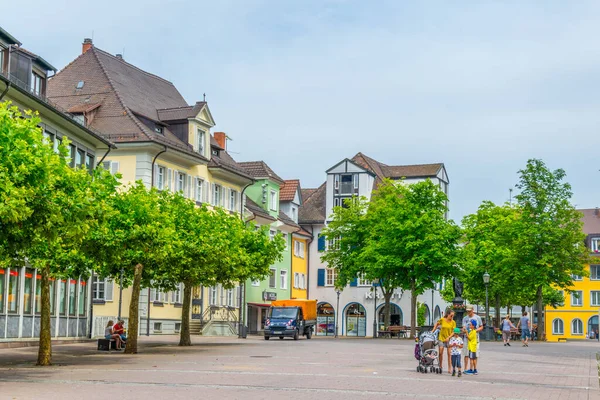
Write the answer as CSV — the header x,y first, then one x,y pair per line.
x,y
244,332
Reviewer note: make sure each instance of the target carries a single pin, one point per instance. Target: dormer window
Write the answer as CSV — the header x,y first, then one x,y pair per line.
x,y
215,152
36,84
201,137
79,118
595,245
158,129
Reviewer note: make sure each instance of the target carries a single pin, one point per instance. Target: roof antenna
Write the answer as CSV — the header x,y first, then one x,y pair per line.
x,y
204,97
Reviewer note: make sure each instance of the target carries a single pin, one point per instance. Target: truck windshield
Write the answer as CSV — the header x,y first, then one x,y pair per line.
x,y
287,313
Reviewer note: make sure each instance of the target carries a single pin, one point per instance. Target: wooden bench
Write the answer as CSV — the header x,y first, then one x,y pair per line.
x,y
107,344
398,331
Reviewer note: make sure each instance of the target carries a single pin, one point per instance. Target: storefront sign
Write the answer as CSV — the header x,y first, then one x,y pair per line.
x,y
270,296
369,295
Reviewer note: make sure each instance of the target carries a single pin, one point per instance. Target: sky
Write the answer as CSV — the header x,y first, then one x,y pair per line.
x,y
481,86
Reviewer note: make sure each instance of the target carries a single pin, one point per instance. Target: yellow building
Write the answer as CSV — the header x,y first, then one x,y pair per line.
x,y
165,143
578,317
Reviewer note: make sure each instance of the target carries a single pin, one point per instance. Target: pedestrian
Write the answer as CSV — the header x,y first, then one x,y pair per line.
x,y
597,337
109,334
465,323
473,345
525,324
505,326
446,325
456,344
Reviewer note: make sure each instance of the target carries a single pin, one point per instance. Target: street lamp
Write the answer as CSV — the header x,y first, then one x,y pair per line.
x,y
375,283
337,312
486,282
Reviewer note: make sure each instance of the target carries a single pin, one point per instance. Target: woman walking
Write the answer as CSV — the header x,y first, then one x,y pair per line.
x,y
505,326
446,325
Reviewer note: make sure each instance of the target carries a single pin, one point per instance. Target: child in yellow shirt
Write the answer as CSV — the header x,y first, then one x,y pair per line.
x,y
472,337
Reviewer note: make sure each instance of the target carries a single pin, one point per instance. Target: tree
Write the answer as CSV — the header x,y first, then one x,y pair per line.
x,y
401,238
136,239
48,208
549,234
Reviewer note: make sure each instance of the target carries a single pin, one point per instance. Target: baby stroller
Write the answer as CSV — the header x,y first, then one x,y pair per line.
x,y
427,354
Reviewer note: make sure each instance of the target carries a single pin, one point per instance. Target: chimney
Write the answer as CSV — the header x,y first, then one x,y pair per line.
x,y
87,44
119,56
221,138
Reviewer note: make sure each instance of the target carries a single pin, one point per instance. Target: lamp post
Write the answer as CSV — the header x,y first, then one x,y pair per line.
x,y
337,313
486,282
375,283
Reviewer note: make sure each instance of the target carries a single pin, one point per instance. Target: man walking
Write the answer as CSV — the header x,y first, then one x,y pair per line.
x,y
525,324
465,323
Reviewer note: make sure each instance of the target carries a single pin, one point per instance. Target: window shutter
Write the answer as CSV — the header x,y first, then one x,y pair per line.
x,y
114,167
212,193
168,179
321,277
321,243
108,289
189,186
106,165
225,199
353,282
238,201
152,294
205,194
155,183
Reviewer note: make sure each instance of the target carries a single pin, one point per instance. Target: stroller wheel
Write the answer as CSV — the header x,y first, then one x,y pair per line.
x,y
439,370
418,368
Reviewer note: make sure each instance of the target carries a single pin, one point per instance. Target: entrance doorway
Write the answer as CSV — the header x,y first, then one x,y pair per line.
x,y
593,326
395,315
356,320
325,320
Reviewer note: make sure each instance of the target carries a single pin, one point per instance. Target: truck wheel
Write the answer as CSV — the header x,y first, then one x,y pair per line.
x,y
267,337
280,337
296,335
309,334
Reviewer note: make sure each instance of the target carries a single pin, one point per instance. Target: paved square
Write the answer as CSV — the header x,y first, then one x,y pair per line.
x,y
321,368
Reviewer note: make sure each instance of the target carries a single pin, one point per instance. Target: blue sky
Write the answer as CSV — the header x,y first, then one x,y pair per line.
x,y
481,86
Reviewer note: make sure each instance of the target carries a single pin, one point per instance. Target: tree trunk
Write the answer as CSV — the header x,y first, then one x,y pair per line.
x,y
184,336
413,309
388,310
498,317
134,307
540,318
45,350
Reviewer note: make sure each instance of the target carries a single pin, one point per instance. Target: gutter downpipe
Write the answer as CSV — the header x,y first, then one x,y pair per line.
x,y
242,310
8,85
151,186
103,157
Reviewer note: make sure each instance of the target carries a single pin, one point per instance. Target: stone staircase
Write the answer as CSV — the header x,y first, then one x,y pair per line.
x,y
195,327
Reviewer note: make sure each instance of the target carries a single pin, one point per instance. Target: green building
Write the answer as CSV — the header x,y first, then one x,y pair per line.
x,y
262,201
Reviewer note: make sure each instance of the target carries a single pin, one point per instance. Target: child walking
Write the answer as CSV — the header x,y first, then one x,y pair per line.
x,y
456,344
472,337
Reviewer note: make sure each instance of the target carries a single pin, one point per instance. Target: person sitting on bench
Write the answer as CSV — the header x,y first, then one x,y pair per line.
x,y
120,330
109,334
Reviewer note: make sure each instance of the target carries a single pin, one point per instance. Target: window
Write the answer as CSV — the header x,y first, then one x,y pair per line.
x,y
199,189
595,298
273,200
576,298
89,162
62,292
72,152
200,141
158,129
577,277
98,288
28,292
333,244
595,272
355,177
283,279
361,281
79,85
81,298
256,283
213,296
272,234
79,118
232,199
180,185
156,296
330,277
36,84
72,297
296,280
272,278
160,178
595,245
299,249
79,158
285,239
13,291
294,214
158,327
336,182
3,272
347,184
230,300
558,327
112,167
176,296
217,189
577,327
177,327
302,281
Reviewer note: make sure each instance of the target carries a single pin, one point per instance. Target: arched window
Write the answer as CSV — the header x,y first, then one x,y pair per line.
x,y
592,326
395,314
427,315
558,327
356,320
437,314
577,327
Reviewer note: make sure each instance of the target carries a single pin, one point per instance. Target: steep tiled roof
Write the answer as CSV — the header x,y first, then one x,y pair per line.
x,y
382,170
591,221
260,170
225,161
127,94
312,210
287,220
306,193
287,192
179,113
257,210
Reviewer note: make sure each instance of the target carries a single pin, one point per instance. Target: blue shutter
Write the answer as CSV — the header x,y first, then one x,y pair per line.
x,y
321,243
321,277
353,282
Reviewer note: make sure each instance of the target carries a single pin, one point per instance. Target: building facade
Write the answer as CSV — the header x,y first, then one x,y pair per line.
x,y
577,318
23,82
357,310
167,144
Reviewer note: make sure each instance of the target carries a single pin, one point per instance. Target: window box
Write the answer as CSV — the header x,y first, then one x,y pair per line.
x,y
178,305
158,304
98,302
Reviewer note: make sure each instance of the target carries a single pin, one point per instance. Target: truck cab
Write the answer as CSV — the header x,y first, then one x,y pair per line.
x,y
288,320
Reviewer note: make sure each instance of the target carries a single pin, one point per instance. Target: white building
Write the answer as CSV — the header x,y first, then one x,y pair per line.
x,y
353,308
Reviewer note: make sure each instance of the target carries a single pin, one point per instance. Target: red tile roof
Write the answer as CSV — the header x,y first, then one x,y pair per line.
x,y
287,192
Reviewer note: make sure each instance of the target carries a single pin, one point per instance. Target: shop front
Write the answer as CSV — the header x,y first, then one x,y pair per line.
x,y
325,320
355,320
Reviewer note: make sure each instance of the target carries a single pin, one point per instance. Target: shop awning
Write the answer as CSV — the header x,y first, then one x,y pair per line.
x,y
259,305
